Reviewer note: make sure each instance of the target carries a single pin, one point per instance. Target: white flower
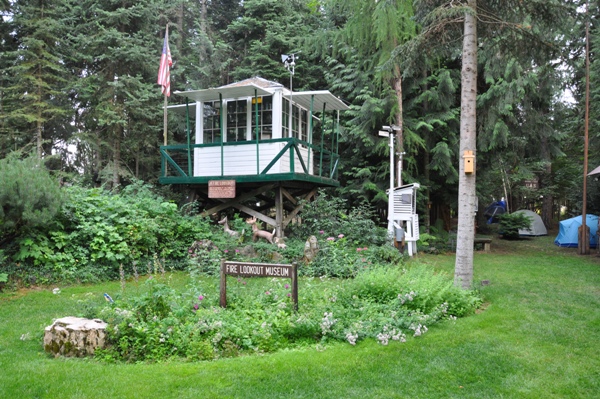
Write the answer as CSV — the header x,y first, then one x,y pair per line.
x,y
351,338
327,322
56,291
383,338
419,330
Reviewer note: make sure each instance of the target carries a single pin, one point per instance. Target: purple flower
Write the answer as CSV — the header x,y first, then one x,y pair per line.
x,y
268,293
243,282
340,236
196,306
201,297
321,232
330,239
287,286
288,294
365,248
359,249
226,251
237,251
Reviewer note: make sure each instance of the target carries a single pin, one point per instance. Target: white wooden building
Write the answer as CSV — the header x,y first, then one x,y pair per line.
x,y
276,145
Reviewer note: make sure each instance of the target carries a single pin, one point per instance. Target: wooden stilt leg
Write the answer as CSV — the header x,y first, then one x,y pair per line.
x,y
278,211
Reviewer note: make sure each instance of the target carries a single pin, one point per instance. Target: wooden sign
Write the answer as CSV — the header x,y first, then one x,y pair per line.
x,y
221,189
247,269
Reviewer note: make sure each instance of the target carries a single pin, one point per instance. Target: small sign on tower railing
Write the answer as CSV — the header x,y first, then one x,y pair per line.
x,y
221,189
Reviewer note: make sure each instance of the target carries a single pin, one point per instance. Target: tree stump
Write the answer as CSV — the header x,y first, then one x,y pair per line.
x,y
74,337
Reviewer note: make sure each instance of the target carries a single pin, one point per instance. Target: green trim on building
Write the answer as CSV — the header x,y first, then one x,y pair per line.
x,y
276,177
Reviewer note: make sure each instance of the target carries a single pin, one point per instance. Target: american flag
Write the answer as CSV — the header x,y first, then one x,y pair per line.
x,y
164,73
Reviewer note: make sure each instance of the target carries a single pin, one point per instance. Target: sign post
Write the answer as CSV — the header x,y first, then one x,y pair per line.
x,y
247,269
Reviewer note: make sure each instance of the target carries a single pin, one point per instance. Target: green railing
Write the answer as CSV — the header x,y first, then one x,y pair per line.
x,y
177,160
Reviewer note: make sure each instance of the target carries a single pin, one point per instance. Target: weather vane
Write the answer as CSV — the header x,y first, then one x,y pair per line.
x,y
289,61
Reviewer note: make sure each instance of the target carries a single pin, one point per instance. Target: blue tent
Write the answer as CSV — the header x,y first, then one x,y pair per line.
x,y
568,231
495,210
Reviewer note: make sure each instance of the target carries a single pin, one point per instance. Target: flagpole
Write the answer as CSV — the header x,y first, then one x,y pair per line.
x,y
166,101
165,120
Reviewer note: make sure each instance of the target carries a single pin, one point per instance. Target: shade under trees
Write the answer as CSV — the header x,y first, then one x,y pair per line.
x,y
77,85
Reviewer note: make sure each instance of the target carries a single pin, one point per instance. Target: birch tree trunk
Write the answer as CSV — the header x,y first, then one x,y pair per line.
x,y
467,196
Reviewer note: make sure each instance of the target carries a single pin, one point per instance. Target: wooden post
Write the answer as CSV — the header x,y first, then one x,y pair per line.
x,y
223,286
583,237
278,211
221,116
257,132
187,127
295,285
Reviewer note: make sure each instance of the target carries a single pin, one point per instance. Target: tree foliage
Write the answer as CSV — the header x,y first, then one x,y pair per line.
x,y
77,81
29,196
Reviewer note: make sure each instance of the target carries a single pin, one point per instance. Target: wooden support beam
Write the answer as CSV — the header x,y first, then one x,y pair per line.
x,y
289,196
231,203
293,213
256,214
279,211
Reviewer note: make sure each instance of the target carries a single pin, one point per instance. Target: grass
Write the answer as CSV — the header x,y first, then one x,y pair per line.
x,y
536,338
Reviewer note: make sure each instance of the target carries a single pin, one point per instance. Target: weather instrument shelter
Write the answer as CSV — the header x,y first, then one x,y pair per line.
x,y
269,146
404,211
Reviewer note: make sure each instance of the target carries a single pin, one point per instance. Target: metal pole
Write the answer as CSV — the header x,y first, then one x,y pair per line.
x,y
391,193
584,241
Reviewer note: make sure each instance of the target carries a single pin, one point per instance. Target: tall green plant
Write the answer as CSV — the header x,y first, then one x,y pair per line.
x,y
97,231
29,196
511,223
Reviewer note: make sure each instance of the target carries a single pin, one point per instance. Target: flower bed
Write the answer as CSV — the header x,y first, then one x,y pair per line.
x,y
383,304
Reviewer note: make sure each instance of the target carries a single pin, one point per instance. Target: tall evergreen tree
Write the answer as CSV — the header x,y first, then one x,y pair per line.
x,y
266,30
115,52
508,81
37,75
358,40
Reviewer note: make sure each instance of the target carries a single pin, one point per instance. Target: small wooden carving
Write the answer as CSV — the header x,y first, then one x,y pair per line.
x,y
226,228
256,233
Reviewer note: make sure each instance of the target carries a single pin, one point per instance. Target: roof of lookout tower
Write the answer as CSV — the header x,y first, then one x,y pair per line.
x,y
257,86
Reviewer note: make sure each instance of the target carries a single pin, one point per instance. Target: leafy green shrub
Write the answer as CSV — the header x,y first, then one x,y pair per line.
x,y
97,231
511,223
327,216
437,241
339,257
29,197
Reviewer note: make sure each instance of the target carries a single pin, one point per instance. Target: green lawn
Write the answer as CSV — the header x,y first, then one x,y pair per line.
x,y
538,337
